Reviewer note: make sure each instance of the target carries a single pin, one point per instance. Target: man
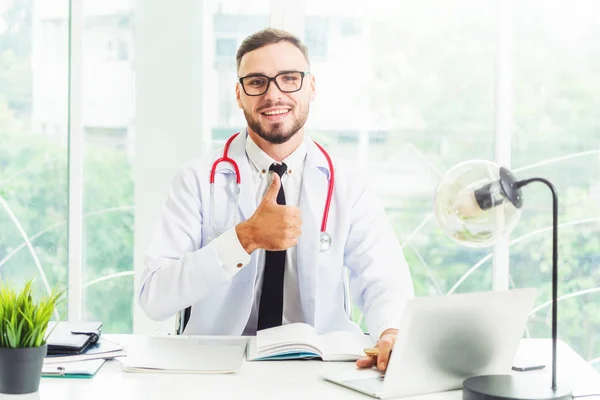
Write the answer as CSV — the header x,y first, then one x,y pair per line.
x,y
268,269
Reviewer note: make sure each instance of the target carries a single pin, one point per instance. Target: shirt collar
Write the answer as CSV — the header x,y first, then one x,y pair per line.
x,y
262,161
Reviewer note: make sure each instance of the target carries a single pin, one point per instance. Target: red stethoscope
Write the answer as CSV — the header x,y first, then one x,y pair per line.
x,y
325,239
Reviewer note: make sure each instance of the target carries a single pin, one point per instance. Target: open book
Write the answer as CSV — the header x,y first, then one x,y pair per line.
x,y
302,341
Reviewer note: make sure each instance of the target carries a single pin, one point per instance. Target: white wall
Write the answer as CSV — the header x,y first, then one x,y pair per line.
x,y
168,122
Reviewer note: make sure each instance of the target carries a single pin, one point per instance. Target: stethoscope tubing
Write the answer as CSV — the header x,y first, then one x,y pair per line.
x,y
231,161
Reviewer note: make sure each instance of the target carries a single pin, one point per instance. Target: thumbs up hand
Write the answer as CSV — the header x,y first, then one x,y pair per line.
x,y
272,226
271,196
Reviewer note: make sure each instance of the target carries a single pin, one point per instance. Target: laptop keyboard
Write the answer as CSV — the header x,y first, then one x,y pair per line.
x,y
372,385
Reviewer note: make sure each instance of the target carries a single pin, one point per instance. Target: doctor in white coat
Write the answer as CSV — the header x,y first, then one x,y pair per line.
x,y
226,265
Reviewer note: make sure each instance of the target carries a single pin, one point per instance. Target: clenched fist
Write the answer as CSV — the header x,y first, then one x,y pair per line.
x,y
272,226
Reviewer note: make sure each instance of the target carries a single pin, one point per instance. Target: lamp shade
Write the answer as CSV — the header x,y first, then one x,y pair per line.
x,y
476,202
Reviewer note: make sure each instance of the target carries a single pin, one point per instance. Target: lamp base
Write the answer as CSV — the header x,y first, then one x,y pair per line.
x,y
517,387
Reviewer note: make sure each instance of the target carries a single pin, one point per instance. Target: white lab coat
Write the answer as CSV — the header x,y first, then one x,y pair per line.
x,y
182,267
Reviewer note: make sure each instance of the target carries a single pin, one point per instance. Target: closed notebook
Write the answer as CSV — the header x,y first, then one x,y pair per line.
x,y
72,338
299,340
103,348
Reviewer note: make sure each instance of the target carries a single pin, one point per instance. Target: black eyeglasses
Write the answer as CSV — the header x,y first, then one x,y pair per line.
x,y
286,81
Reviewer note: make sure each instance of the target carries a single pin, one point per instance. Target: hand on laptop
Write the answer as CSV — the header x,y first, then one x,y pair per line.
x,y
384,346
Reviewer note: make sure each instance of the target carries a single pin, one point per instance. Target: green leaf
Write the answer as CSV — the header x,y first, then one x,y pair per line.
x,y
23,321
12,337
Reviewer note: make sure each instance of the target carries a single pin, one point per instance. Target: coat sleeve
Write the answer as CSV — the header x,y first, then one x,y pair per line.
x,y
379,274
179,269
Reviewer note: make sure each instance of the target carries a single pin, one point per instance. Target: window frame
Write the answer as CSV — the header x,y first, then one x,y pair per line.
x,y
288,15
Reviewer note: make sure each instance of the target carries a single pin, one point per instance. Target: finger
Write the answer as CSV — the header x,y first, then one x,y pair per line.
x,y
290,242
294,232
282,244
271,195
365,362
295,212
291,223
292,213
385,345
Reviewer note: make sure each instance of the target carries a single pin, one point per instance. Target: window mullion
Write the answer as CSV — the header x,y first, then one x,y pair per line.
x,y
503,125
75,163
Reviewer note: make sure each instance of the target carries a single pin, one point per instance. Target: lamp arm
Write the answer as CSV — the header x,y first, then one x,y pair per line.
x,y
518,185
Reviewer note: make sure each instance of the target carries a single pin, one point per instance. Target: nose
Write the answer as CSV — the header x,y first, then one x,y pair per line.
x,y
273,93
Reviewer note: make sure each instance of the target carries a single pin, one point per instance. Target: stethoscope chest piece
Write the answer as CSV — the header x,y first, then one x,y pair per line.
x,y
325,241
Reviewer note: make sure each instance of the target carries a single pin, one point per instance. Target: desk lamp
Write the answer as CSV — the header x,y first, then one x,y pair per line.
x,y
476,202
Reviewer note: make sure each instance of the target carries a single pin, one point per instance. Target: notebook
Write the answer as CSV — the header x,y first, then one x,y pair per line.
x,y
185,354
299,340
72,338
102,349
79,369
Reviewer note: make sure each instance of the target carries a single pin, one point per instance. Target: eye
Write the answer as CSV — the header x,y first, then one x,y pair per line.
x,y
256,81
290,77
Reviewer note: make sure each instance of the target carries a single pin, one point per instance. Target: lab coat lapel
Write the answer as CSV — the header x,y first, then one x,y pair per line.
x,y
313,194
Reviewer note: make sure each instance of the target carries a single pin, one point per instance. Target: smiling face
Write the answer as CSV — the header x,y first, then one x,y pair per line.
x,y
275,116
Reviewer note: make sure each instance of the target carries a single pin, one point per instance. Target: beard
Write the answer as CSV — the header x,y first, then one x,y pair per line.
x,y
277,133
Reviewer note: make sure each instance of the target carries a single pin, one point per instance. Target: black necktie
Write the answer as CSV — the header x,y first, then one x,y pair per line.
x,y
270,310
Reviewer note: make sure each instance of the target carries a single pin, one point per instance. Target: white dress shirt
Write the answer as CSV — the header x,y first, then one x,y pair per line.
x,y
234,256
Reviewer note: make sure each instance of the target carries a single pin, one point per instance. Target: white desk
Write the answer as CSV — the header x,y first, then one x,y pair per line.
x,y
268,380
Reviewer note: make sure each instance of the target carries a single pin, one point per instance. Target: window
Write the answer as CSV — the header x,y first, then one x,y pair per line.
x,y
109,151
405,88
409,91
226,47
427,74
557,136
232,22
33,154
317,28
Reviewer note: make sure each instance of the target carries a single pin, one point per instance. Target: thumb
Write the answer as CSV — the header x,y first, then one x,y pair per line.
x,y
273,190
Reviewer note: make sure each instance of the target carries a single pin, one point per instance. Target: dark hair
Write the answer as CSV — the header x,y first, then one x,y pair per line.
x,y
266,37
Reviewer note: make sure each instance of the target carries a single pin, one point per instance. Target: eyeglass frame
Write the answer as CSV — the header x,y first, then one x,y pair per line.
x,y
269,79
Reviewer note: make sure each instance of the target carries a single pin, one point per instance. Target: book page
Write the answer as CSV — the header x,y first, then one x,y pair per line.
x,y
344,345
298,336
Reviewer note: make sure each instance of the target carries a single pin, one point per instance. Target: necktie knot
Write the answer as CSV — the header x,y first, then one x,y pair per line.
x,y
279,168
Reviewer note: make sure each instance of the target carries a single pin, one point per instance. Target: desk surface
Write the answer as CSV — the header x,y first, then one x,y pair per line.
x,y
271,380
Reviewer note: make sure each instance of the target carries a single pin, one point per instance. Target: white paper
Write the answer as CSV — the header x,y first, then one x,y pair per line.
x,y
183,354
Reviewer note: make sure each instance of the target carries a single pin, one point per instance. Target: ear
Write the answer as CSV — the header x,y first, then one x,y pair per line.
x,y
313,87
238,95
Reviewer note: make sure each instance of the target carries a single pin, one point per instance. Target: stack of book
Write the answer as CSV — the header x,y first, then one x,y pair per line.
x,y
77,350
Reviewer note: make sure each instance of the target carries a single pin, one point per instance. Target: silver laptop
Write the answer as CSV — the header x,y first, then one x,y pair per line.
x,y
445,339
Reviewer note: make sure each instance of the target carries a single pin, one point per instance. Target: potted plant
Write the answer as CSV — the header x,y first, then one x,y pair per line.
x,y
23,324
